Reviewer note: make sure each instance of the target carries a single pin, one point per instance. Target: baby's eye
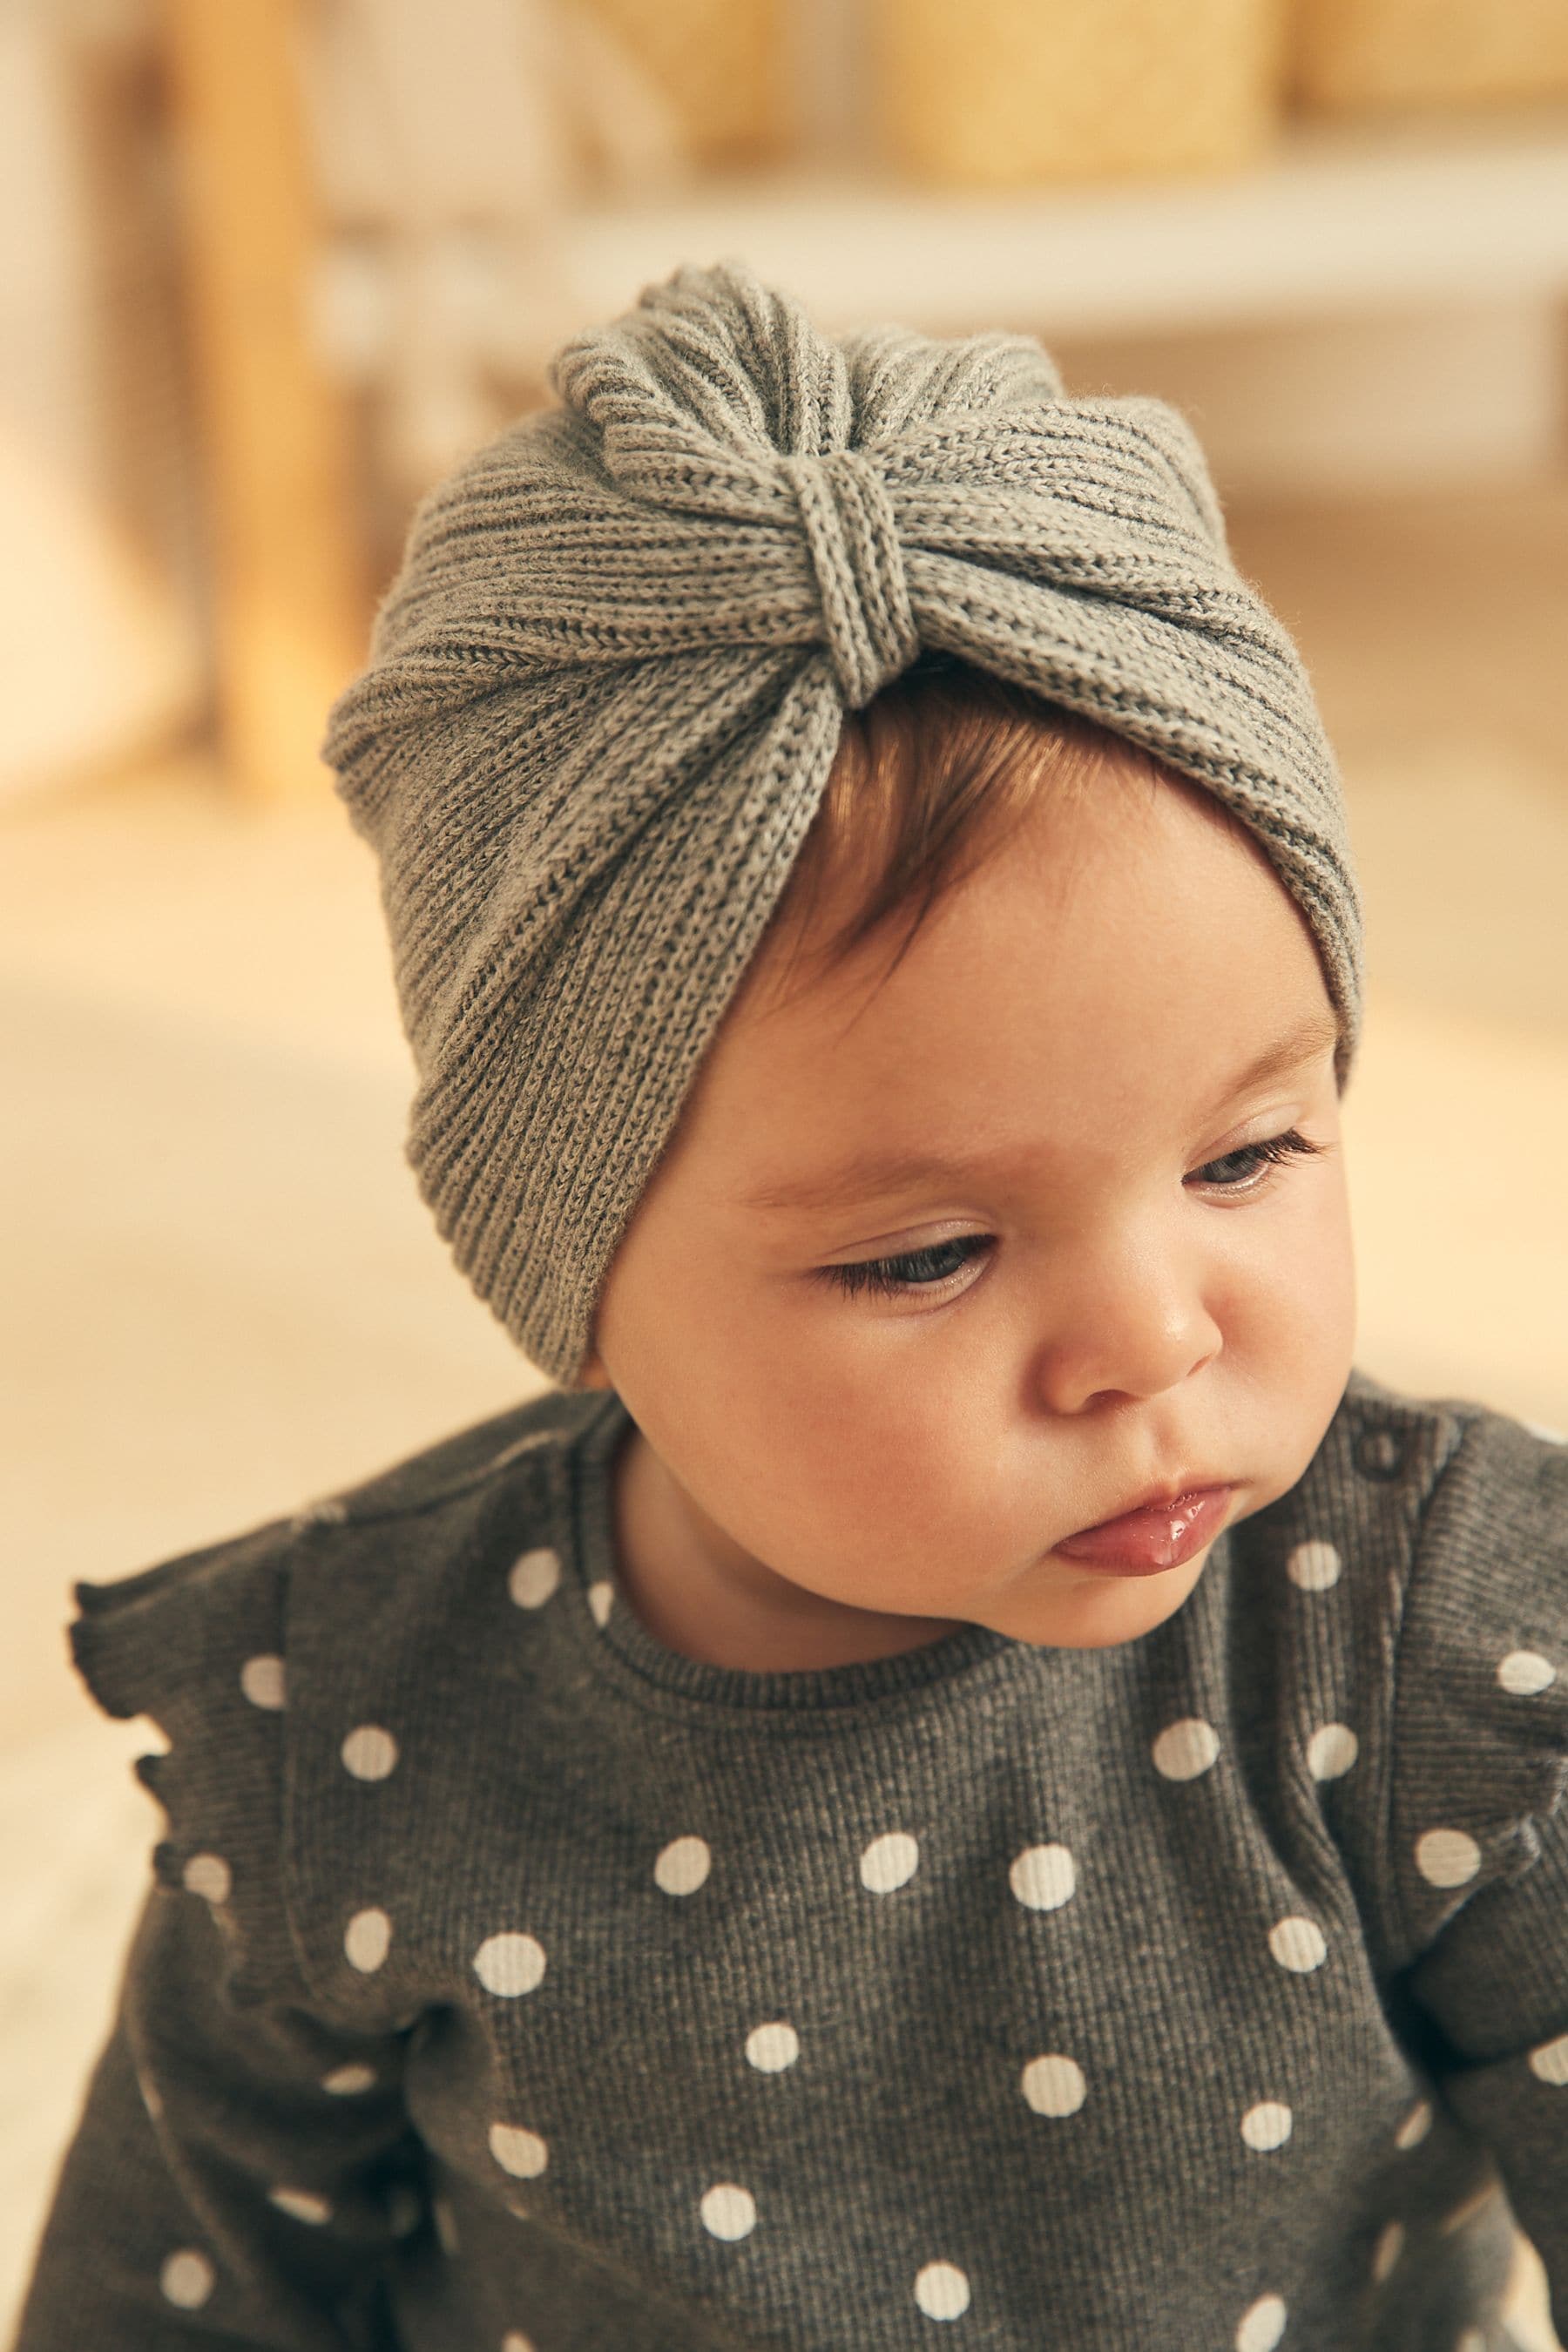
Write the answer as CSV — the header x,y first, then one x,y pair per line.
x,y
920,1269
927,1269
1254,1159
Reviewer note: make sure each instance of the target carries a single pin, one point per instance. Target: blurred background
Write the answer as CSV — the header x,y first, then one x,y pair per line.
x,y
269,267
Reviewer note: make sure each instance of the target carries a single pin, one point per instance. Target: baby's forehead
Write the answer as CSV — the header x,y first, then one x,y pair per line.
x,y
833,1161
1063,864
1051,1024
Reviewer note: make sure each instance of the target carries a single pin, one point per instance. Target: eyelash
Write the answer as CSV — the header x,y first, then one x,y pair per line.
x,y
892,1278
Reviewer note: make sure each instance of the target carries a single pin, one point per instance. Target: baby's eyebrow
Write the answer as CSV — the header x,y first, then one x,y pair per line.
x,y
873,1174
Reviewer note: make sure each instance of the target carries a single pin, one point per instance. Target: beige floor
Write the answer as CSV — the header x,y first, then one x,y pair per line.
x,y
221,1294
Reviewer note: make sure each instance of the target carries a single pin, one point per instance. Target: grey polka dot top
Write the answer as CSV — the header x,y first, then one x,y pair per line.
x,y
508,1983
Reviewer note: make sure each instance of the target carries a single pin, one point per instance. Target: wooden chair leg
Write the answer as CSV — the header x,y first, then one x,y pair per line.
x,y
286,547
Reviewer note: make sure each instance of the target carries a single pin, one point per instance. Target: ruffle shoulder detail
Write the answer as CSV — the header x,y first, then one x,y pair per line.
x,y
1479,1790
264,1661
196,1645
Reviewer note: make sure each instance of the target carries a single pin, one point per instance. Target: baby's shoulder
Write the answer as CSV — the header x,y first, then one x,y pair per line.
x,y
1425,1610
1403,1475
459,1465
421,1574
145,1641
1440,1526
252,1653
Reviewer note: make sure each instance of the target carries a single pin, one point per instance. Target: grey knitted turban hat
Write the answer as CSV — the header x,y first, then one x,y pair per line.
x,y
606,685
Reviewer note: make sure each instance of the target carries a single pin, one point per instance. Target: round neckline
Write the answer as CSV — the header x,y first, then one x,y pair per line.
x,y
623,1637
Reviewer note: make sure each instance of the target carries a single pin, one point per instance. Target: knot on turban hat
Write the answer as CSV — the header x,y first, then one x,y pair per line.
x,y
606,686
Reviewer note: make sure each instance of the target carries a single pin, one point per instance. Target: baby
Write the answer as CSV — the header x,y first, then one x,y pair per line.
x,y
963,1776
951,1258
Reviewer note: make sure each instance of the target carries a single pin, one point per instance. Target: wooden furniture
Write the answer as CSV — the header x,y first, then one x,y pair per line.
x,y
1379,260
289,604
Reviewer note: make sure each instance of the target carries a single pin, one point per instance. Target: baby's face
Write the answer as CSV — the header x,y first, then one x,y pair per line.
x,y
938,1272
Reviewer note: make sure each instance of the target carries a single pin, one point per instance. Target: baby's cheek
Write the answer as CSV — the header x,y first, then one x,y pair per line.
x,y
1312,1337
919,1525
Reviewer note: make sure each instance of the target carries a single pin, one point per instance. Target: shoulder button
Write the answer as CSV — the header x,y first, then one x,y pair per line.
x,y
1379,1454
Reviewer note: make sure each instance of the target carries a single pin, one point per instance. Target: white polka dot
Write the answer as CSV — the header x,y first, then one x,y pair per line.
x,y
209,1875
1043,1877
518,2151
366,1939
302,2203
151,2099
405,2210
514,2340
683,1865
343,2080
888,1862
1544,1431
1447,1857
1054,2086
772,2048
728,2211
1388,2251
1185,1749
187,2278
1415,2127
1297,1943
1332,1750
370,1753
1267,2124
509,1963
446,2222
1313,1567
942,2291
1549,2062
600,1592
1262,2325
1525,1671
534,1577
261,1680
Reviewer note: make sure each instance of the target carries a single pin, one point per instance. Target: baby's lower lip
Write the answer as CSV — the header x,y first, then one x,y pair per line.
x,y
1143,1543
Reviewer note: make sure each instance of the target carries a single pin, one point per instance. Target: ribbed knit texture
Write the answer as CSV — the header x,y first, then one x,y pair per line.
x,y
513,1984
607,684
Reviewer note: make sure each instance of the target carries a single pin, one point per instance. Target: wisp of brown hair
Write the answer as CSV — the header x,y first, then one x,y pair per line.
x,y
927,781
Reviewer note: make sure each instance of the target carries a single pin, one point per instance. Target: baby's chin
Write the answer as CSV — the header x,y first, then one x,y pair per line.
x,y
1062,1604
